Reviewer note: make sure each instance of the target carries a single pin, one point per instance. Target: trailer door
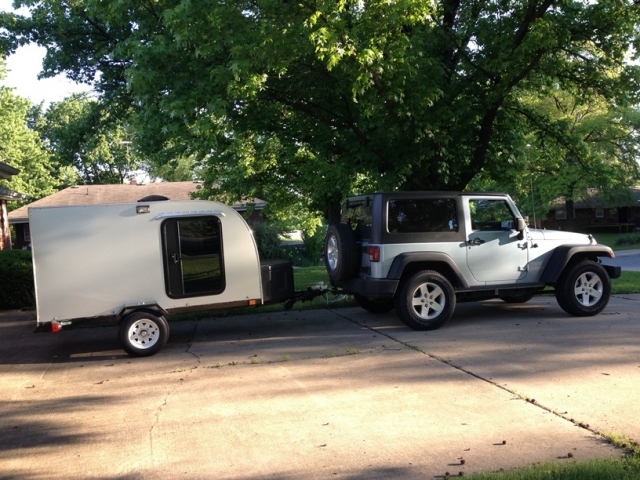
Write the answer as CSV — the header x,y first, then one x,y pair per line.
x,y
193,257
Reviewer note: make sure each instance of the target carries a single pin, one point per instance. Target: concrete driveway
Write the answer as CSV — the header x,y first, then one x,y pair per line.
x,y
321,394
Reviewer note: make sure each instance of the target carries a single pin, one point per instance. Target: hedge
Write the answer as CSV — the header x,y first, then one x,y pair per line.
x,y
16,279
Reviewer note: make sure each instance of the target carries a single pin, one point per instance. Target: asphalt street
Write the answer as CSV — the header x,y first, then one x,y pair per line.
x,y
627,259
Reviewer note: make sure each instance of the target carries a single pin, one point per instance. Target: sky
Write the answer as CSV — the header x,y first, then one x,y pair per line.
x,y
24,67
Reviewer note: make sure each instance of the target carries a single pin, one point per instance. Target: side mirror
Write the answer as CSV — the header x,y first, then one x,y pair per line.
x,y
520,227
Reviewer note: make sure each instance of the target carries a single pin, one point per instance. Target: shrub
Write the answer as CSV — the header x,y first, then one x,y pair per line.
x,y
314,244
16,278
267,239
628,240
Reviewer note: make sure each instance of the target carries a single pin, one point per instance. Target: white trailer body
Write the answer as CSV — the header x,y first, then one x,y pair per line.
x,y
159,256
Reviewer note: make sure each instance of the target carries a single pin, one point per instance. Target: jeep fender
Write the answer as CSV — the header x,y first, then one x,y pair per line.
x,y
404,261
564,254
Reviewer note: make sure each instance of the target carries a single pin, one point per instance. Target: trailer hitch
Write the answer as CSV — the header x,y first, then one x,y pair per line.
x,y
312,292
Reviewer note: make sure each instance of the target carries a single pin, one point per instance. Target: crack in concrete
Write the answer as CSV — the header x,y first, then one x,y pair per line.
x,y
190,344
520,396
166,397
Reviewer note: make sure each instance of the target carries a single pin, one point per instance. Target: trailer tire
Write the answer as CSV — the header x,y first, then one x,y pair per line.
x,y
143,334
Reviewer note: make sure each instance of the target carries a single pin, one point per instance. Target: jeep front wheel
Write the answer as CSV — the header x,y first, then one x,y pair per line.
x,y
340,252
584,289
425,301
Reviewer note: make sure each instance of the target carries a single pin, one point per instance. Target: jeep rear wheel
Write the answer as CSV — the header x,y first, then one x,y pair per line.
x,y
425,301
584,289
374,305
340,252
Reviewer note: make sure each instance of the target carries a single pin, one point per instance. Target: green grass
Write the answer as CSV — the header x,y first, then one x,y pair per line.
x,y
627,468
611,239
629,282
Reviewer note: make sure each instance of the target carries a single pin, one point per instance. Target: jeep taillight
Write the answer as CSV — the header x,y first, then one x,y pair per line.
x,y
374,254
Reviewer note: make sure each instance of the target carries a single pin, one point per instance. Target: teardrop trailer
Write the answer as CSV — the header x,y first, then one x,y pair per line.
x,y
136,263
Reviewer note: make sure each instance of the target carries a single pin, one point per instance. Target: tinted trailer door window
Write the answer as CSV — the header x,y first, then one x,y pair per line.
x,y
193,257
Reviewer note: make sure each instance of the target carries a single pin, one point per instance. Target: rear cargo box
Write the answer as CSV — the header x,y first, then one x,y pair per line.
x,y
277,280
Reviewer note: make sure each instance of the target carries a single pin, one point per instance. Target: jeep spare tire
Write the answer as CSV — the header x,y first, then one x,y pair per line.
x,y
340,252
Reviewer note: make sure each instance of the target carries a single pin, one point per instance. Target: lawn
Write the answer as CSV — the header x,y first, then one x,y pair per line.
x,y
619,241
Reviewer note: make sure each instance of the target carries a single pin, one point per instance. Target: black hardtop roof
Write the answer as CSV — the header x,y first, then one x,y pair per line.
x,y
423,193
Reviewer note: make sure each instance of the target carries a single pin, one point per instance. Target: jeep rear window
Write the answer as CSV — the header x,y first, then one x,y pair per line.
x,y
422,215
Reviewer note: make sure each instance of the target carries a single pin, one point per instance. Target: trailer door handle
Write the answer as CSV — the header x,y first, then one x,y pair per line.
x,y
175,258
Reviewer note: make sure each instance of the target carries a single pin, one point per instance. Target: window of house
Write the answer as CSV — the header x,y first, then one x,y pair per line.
x,y
422,215
561,214
26,232
599,212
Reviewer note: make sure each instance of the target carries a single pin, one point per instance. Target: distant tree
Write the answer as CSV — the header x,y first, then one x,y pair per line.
x,y
21,148
79,133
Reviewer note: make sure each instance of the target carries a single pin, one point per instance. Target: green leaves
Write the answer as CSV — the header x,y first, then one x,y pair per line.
x,y
303,102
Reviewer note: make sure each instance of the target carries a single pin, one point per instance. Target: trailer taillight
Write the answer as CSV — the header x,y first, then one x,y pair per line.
x,y
374,254
55,327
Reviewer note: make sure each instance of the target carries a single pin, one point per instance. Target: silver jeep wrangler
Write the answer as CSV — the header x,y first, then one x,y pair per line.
x,y
421,252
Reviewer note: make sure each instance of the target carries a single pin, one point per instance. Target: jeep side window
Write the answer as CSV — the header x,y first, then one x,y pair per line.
x,y
491,215
422,215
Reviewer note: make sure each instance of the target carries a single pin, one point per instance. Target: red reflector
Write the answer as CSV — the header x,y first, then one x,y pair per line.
x,y
55,327
374,254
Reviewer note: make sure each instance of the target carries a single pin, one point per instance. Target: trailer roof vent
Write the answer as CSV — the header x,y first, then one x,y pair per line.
x,y
153,198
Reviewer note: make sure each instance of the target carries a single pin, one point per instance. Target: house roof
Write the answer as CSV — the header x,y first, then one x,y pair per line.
x,y
121,193
6,194
7,171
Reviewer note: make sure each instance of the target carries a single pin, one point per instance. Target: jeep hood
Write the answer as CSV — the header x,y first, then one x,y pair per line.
x,y
559,235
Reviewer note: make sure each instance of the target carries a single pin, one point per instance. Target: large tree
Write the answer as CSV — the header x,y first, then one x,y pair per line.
x,y
305,101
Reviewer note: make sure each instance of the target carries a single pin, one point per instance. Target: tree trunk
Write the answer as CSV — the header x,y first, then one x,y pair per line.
x,y
571,220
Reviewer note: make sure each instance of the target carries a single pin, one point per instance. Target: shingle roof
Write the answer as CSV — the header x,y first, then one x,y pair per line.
x,y
122,193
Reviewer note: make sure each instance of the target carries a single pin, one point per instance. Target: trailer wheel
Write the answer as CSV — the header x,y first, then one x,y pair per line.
x,y
143,334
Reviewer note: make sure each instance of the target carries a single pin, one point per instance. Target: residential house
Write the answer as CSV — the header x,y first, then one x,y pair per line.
x,y
121,193
592,216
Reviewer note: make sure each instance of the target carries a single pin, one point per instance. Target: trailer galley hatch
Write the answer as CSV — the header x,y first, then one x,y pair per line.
x,y
193,257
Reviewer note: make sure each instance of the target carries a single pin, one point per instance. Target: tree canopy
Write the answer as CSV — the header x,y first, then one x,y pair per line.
x,y
83,136
301,102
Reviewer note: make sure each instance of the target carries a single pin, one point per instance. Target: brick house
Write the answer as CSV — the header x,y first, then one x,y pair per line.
x,y
121,193
592,216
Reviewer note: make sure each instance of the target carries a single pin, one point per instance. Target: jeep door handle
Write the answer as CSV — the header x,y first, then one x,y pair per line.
x,y
476,241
